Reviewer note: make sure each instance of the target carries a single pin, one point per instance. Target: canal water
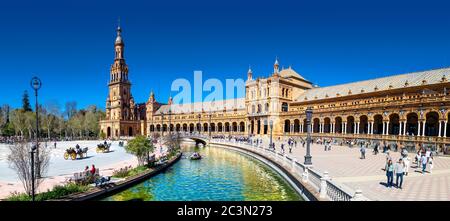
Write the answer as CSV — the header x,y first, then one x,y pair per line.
x,y
222,175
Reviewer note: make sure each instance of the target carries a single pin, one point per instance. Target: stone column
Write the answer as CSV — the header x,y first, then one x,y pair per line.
x,y
312,127
400,128
418,128
404,128
356,127
423,128
371,127
345,127
445,129
384,128
440,128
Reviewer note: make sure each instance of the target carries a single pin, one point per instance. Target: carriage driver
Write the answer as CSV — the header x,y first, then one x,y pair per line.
x,y
77,149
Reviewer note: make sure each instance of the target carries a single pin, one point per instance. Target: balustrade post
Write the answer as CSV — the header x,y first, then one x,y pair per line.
x,y
305,175
294,161
358,196
323,185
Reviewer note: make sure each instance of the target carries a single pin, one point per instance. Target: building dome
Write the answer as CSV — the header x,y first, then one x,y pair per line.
x,y
119,37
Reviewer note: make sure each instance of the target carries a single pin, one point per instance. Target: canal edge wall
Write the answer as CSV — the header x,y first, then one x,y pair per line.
x,y
98,192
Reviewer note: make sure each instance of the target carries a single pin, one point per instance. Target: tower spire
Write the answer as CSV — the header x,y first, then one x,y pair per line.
x,y
249,73
276,66
119,69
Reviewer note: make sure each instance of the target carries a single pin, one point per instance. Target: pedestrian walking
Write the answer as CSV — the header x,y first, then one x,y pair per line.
x,y
423,161
418,158
389,173
407,163
363,152
290,148
399,172
431,162
375,149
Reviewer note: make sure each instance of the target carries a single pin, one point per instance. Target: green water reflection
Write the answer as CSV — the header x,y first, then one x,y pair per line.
x,y
222,175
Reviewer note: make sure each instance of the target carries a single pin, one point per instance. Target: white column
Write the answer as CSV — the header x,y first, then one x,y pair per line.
x,y
345,128
423,128
357,127
384,128
418,128
333,129
404,128
440,128
400,128
445,129
373,122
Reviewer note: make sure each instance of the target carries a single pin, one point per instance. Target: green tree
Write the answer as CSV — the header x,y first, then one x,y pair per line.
x,y
26,102
4,112
140,147
18,121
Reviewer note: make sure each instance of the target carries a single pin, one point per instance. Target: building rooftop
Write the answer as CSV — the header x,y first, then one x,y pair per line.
x,y
378,84
207,106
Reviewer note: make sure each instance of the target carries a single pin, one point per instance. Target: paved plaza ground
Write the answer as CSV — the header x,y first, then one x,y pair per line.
x,y
345,167
60,169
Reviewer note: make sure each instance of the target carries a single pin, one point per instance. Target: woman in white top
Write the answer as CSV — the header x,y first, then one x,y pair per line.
x,y
430,161
406,162
418,159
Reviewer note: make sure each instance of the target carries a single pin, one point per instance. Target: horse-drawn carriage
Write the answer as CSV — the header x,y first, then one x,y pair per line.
x,y
74,153
103,148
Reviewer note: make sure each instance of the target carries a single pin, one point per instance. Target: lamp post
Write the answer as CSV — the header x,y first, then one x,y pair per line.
x,y
308,136
162,125
170,125
33,149
36,84
199,129
209,126
271,129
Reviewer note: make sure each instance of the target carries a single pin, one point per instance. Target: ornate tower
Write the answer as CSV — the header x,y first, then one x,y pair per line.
x,y
276,68
249,74
120,101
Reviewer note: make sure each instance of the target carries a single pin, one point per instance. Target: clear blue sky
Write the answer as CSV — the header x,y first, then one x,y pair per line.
x,y
69,45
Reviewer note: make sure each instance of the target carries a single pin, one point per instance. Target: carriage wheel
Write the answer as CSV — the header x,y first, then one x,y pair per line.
x,y
66,156
73,156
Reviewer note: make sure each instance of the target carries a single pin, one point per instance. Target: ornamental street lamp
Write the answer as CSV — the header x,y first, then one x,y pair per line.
x,y
199,124
33,149
308,136
162,125
209,126
36,84
170,125
271,129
